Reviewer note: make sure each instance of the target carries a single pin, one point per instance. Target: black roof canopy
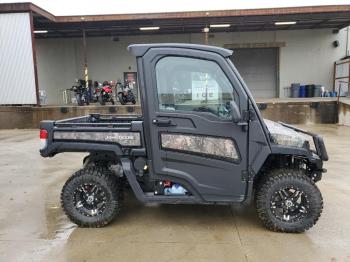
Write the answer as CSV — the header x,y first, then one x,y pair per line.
x,y
141,49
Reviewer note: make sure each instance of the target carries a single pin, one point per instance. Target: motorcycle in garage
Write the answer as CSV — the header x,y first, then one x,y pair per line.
x,y
105,93
126,95
81,93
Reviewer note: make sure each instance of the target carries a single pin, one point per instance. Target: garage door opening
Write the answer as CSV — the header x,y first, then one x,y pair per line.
x,y
259,69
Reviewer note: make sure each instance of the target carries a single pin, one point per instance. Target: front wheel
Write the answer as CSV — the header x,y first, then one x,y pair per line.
x,y
101,100
288,201
92,197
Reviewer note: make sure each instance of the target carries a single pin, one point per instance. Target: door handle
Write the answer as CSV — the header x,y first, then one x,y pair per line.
x,y
243,125
163,122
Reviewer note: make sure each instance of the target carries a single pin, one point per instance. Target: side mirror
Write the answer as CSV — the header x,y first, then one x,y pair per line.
x,y
236,114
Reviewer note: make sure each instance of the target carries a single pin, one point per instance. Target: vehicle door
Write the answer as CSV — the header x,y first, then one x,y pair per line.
x,y
190,135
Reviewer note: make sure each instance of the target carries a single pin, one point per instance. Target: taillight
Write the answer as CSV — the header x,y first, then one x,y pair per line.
x,y
43,134
43,138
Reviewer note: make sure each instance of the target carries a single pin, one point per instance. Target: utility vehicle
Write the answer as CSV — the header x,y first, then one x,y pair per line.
x,y
200,140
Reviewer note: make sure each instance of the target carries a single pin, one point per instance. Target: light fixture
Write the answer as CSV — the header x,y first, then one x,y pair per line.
x,y
149,28
40,31
286,23
206,30
219,25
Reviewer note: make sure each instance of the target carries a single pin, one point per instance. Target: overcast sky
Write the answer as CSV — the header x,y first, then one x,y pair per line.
x,y
90,7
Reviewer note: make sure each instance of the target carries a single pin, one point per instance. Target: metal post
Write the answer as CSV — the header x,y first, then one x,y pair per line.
x,y
206,35
206,38
86,75
34,60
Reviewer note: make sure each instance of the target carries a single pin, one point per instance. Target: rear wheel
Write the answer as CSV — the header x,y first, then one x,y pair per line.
x,y
288,201
87,162
80,100
92,197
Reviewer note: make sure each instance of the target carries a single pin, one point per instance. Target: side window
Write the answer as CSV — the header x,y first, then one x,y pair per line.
x,y
191,84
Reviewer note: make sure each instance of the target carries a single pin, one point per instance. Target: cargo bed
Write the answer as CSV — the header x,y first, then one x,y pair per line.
x,y
95,131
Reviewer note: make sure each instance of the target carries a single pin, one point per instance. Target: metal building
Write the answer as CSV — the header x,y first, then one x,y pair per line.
x,y
272,47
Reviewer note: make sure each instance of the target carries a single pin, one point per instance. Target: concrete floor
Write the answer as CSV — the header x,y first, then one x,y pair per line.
x,y
34,228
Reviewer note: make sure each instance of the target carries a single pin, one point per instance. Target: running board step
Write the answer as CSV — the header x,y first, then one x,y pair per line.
x,y
130,174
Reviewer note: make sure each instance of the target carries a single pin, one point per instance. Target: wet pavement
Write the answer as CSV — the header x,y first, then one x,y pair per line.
x,y
34,228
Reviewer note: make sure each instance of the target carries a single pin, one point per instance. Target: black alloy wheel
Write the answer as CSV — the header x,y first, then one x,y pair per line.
x,y
90,199
290,204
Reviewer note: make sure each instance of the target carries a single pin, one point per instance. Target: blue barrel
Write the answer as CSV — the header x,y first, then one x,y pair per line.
x,y
295,89
302,91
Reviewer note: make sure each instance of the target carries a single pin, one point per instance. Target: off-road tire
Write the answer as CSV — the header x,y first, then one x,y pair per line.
x,y
277,180
87,162
105,180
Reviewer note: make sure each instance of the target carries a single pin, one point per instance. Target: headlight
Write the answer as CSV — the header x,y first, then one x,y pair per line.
x,y
310,140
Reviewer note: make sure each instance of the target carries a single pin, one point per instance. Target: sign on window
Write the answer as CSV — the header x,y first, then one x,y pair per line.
x,y
204,88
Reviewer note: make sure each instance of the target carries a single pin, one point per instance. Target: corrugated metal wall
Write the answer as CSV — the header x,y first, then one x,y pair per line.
x,y
17,81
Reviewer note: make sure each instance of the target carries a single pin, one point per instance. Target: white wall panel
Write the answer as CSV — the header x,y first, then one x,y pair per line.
x,y
308,56
17,81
